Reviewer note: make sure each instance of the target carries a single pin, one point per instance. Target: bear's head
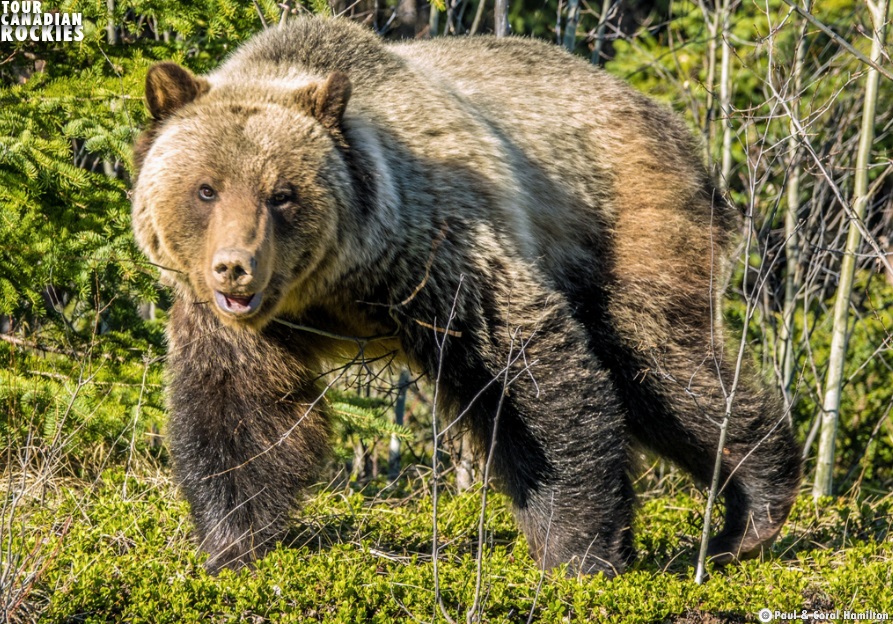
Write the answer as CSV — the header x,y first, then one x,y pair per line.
x,y
239,188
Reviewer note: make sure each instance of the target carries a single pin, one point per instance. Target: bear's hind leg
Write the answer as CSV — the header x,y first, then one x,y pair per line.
x,y
760,476
760,471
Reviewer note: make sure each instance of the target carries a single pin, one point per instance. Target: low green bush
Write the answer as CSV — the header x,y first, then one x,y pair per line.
x,y
121,552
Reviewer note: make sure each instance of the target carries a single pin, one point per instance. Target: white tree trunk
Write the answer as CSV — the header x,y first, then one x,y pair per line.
x,y
792,235
725,96
570,27
502,18
834,380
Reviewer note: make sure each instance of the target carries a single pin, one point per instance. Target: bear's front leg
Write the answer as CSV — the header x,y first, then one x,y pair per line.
x,y
546,414
560,446
246,431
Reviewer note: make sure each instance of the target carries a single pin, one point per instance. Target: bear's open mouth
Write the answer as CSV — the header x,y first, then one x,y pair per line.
x,y
239,305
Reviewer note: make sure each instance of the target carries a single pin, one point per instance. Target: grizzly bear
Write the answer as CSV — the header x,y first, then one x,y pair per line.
x,y
518,225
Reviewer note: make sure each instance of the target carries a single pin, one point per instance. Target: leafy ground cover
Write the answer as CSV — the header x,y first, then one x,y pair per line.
x,y
119,550
92,530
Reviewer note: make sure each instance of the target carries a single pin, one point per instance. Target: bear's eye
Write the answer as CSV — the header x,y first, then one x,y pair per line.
x,y
206,193
280,199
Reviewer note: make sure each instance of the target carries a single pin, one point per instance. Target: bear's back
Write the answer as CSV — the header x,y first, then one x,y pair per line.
x,y
566,117
563,152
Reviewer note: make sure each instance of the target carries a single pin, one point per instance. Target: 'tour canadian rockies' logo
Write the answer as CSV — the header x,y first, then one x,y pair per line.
x,y
24,21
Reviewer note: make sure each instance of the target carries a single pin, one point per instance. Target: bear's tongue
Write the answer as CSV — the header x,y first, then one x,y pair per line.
x,y
237,302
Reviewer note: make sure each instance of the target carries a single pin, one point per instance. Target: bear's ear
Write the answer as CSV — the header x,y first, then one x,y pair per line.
x,y
326,101
170,87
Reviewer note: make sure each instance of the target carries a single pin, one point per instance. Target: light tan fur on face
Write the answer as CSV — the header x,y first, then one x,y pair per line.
x,y
241,222
184,235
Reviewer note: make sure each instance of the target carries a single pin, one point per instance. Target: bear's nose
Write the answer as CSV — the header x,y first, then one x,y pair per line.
x,y
233,267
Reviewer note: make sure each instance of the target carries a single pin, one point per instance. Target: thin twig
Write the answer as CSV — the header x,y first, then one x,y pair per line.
x,y
39,347
360,340
260,14
840,40
435,546
472,615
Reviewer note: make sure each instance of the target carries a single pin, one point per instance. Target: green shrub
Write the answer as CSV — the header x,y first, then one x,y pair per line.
x,y
127,556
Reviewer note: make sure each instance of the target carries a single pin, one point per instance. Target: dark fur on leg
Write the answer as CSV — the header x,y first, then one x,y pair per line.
x,y
242,450
670,379
559,448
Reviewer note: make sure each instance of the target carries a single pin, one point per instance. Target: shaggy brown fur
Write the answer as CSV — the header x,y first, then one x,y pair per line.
x,y
322,177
